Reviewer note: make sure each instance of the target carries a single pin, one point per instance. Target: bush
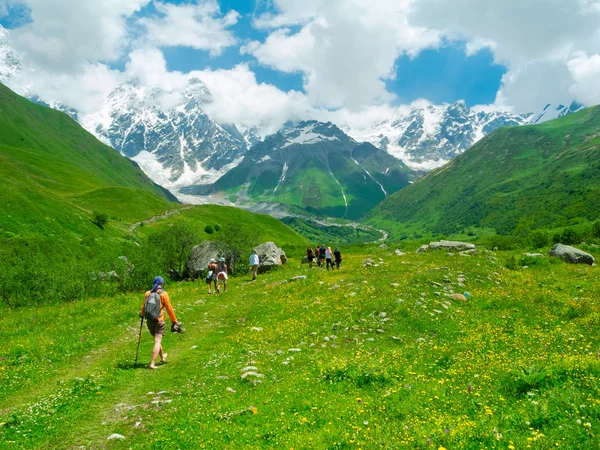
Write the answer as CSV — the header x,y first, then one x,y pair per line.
x,y
502,242
100,219
209,229
539,238
217,227
570,237
596,229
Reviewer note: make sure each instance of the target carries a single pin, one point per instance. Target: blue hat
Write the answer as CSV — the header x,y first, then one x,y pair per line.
x,y
158,280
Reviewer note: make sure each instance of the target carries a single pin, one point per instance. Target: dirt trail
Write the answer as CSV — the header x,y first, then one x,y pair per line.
x,y
166,215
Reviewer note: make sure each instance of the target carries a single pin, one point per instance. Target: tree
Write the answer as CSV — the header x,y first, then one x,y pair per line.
x,y
174,245
235,243
100,219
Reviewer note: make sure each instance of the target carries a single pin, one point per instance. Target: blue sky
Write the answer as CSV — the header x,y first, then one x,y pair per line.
x,y
445,74
269,61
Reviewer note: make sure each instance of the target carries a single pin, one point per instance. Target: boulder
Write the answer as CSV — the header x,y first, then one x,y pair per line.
x,y
197,263
269,256
399,253
423,248
571,254
454,246
383,246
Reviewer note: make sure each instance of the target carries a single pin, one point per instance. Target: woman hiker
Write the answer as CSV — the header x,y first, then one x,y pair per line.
x,y
254,262
211,276
222,275
310,256
329,258
157,326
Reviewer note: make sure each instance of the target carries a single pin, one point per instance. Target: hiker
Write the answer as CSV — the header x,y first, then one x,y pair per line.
x,y
222,275
322,251
254,262
338,257
310,256
329,258
156,324
211,276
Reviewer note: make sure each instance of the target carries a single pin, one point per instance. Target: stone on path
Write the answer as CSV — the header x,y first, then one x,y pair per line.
x,y
460,297
423,248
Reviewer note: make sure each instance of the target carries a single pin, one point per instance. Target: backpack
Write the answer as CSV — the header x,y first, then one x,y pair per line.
x,y
152,306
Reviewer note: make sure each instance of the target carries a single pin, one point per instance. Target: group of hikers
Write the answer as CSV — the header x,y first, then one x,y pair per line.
x,y
324,256
156,300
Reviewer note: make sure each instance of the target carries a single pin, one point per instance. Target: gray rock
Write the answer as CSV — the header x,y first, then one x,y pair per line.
x,y
451,246
571,254
423,248
269,256
383,246
300,277
115,436
200,256
473,251
399,253
534,255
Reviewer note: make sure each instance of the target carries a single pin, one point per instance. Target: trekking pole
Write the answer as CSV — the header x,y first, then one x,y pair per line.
x,y
139,339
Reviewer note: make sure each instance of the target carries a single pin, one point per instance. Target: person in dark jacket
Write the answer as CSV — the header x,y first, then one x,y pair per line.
x,y
338,257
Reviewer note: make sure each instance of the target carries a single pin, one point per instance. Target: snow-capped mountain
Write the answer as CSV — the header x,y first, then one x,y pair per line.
x,y
551,112
168,133
429,136
316,166
10,61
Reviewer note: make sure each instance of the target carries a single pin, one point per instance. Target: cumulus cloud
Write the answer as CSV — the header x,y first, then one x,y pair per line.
x,y
534,39
65,35
238,98
345,49
200,26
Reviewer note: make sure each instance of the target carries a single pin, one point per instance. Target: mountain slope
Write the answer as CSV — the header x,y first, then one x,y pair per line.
x,y
428,136
315,166
50,165
168,133
529,177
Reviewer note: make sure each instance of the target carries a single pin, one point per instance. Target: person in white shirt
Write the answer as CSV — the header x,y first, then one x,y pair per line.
x,y
254,262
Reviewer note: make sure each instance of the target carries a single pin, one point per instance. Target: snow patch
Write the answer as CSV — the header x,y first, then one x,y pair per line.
x,y
265,158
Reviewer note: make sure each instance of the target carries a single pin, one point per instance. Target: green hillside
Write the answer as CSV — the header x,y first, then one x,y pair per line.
x,y
541,176
69,205
373,358
55,174
314,166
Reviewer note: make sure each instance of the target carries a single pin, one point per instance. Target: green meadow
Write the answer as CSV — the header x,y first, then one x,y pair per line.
x,y
375,357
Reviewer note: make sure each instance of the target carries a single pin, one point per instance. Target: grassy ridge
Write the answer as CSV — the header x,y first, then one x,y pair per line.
x,y
541,176
383,362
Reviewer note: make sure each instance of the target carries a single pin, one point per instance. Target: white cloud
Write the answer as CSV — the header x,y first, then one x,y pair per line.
x,y
238,98
586,73
345,50
65,35
200,26
534,39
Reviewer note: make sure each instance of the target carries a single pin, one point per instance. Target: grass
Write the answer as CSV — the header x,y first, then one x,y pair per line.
x,y
357,358
516,179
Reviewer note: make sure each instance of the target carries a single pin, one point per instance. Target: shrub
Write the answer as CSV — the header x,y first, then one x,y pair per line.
x,y
502,242
217,227
596,229
100,219
539,238
209,229
570,236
